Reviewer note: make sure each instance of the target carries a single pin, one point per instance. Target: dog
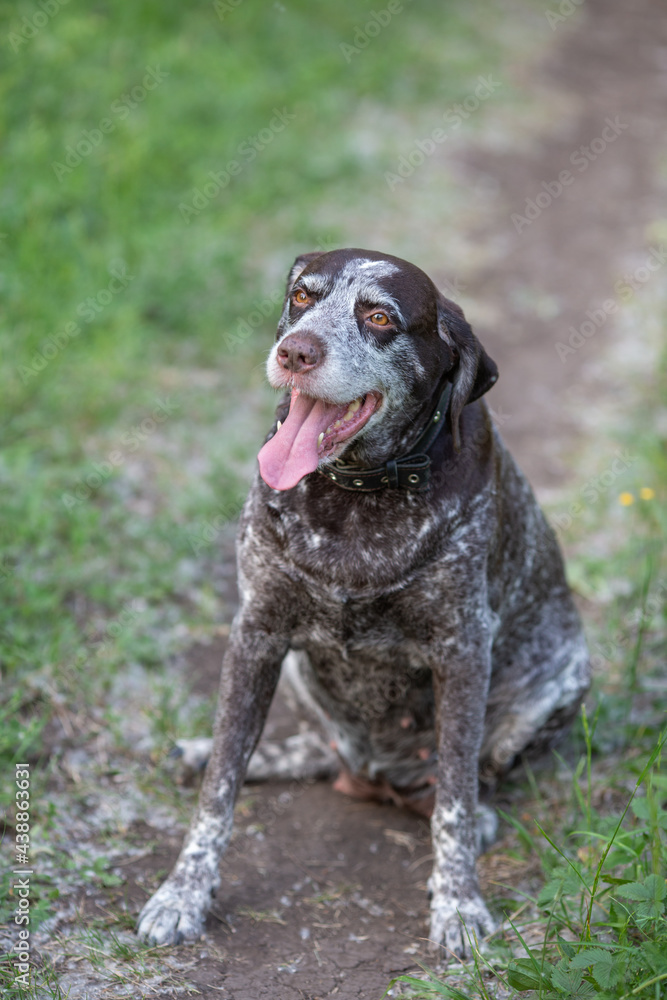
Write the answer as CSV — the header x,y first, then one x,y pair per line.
x,y
393,558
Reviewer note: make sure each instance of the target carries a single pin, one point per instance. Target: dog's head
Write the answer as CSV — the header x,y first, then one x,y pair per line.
x,y
365,344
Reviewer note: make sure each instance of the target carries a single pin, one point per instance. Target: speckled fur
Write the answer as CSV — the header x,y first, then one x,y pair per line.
x,y
432,633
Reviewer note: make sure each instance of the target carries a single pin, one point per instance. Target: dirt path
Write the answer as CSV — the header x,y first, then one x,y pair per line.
x,y
324,897
573,256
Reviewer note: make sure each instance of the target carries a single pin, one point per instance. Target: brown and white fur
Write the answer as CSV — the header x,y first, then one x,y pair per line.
x,y
432,631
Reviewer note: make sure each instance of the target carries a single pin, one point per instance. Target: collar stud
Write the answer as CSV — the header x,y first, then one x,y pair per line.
x,y
411,471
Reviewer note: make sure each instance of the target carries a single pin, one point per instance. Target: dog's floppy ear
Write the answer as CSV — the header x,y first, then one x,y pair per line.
x,y
473,372
297,267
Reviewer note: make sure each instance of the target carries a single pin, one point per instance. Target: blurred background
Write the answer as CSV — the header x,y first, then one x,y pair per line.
x,y
136,268
162,165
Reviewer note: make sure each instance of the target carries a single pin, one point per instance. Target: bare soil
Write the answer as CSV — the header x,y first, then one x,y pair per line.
x,y
323,896
610,63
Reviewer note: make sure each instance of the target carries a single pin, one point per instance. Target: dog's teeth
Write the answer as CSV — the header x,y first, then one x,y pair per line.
x,y
279,424
320,439
337,424
352,409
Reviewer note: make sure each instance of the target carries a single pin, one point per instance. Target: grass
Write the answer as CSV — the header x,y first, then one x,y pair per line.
x,y
132,337
600,912
140,295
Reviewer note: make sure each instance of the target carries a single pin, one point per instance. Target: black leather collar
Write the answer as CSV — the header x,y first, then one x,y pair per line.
x,y
411,472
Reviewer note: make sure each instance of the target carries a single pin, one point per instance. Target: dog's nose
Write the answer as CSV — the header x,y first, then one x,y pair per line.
x,y
300,352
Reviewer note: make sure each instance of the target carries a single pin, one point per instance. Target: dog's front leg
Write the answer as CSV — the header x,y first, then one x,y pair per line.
x,y
460,682
250,672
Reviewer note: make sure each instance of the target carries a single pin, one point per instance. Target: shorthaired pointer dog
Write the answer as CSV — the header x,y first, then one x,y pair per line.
x,y
394,559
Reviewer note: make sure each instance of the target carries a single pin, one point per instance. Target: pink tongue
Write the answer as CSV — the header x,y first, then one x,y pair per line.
x,y
292,452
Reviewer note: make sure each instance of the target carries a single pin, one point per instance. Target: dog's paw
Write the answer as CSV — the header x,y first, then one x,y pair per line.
x,y
456,925
486,827
194,754
175,913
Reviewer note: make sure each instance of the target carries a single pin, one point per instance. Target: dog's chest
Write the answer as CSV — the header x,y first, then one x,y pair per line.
x,y
373,589
367,633
354,547
369,659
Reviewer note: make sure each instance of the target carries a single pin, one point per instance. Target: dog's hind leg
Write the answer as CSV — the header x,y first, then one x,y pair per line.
x,y
308,754
303,756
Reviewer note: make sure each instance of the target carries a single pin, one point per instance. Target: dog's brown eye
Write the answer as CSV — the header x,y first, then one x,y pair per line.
x,y
300,297
379,319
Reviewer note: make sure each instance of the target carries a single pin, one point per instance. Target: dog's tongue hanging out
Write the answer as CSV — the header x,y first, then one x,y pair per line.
x,y
293,450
